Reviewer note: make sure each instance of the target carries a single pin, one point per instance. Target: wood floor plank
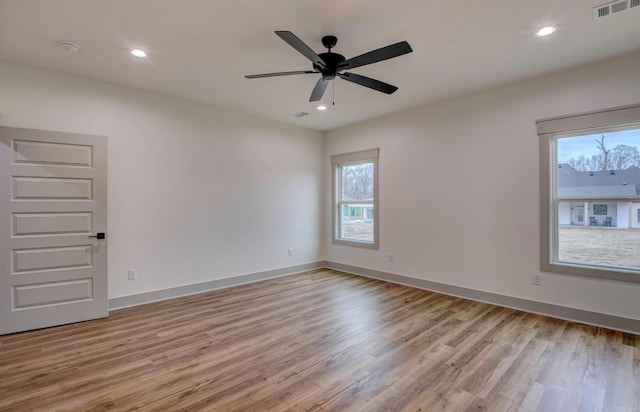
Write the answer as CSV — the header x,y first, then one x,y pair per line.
x,y
320,341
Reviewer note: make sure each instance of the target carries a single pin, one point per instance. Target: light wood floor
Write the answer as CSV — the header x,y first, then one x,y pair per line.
x,y
320,341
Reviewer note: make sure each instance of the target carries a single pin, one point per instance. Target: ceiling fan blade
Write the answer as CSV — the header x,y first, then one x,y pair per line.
x,y
259,76
301,47
378,55
368,82
318,90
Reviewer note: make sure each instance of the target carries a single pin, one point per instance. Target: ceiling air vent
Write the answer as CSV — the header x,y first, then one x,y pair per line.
x,y
300,115
613,7
602,11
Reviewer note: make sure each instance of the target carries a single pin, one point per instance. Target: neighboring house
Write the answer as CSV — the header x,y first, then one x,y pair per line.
x,y
357,211
611,197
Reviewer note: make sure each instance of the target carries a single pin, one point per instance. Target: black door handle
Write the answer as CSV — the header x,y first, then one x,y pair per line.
x,y
98,236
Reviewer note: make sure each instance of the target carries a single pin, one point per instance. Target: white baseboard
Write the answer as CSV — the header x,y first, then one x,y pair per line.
x,y
547,309
164,294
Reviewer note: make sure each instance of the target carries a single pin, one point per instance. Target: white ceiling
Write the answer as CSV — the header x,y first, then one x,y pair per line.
x,y
201,49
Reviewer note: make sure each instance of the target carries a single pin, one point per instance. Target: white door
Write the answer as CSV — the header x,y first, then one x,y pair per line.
x,y
53,200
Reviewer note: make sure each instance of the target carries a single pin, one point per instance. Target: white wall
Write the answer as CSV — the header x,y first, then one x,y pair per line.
x,y
198,193
483,148
621,218
195,193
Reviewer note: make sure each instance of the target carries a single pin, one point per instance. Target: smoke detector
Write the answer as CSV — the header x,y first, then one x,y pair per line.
x,y
69,47
614,7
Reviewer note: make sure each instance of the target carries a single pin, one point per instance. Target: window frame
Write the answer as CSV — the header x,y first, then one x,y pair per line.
x,y
567,125
349,159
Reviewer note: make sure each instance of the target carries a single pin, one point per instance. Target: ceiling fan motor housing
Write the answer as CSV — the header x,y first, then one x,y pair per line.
x,y
333,60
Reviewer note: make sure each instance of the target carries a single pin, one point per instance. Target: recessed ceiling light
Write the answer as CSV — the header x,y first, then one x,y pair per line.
x,y
545,31
138,53
69,47
322,107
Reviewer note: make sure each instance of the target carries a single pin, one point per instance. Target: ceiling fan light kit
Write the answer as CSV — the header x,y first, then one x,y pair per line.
x,y
330,64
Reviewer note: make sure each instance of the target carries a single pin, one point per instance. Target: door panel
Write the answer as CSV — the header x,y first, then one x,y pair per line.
x,y
45,294
30,224
52,258
46,188
53,194
26,152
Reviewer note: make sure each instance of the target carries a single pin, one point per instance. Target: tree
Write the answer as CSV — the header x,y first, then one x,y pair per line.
x,y
604,159
623,157
619,158
584,164
357,181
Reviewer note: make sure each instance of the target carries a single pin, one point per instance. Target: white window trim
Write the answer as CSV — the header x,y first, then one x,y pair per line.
x,y
579,123
337,161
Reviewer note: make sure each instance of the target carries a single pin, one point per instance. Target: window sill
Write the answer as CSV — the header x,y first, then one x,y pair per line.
x,y
355,243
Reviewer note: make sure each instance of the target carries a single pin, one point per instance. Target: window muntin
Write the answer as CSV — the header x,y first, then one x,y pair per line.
x,y
589,193
355,211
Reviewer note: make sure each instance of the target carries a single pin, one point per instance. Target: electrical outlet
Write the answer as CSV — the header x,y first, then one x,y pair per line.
x,y
536,279
392,258
133,274
290,251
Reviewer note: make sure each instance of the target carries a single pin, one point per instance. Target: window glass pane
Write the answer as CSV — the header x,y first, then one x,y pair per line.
x,y
355,212
357,182
597,196
357,222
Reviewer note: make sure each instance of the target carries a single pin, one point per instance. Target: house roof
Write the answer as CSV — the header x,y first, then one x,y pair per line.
x,y
602,183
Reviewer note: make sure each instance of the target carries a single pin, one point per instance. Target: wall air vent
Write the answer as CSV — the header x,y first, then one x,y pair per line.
x,y
613,8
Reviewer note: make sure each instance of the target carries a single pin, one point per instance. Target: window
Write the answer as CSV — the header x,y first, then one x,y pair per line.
x,y
599,209
590,186
355,199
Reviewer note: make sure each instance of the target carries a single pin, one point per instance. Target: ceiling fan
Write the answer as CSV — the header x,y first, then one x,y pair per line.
x,y
331,64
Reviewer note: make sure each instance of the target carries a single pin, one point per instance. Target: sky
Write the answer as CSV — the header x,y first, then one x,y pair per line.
x,y
574,147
